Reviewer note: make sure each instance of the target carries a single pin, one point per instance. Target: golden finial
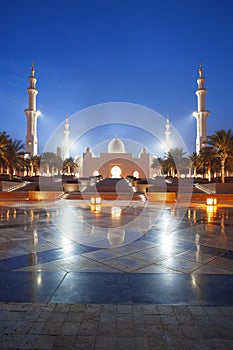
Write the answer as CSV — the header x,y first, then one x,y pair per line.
x,y
33,69
200,71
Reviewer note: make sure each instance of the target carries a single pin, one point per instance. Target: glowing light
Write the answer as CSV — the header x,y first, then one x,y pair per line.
x,y
211,201
39,279
116,212
95,200
96,208
116,171
136,174
167,244
210,210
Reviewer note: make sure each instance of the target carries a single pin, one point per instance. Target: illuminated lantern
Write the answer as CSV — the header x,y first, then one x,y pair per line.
x,y
211,201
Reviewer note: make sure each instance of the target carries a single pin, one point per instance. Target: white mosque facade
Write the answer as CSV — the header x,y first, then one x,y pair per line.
x,y
117,162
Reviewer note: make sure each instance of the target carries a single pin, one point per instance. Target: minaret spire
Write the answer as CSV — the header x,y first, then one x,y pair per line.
x,y
201,114
32,114
67,139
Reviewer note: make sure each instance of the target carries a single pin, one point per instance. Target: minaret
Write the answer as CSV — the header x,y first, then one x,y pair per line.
x,y
168,134
201,114
67,139
32,114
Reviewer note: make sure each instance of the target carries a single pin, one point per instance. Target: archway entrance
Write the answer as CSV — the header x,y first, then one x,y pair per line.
x,y
116,172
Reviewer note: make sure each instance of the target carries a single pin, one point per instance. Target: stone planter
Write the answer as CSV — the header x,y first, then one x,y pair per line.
x,y
71,187
44,195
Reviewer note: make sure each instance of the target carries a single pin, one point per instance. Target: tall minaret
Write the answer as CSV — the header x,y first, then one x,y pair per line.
x,y
201,114
32,114
168,134
67,139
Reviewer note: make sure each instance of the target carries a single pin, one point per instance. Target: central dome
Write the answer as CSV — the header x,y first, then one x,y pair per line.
x,y
116,146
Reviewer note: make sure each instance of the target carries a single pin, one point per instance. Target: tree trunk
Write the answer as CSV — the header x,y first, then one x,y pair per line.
x,y
209,174
194,171
222,171
11,172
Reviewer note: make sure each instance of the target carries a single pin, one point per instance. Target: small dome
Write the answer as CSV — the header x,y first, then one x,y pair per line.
x,y
116,146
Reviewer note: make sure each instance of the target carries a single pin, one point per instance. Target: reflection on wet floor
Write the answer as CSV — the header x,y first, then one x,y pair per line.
x,y
28,230
59,241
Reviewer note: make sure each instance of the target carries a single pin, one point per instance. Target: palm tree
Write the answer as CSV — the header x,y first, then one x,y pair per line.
x,y
175,160
51,161
195,162
32,164
14,154
207,159
221,144
35,164
158,163
69,165
4,141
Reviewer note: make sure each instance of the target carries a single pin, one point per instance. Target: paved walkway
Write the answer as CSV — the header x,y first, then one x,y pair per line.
x,y
122,277
105,327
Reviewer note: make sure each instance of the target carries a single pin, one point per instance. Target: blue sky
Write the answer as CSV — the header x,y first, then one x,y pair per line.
x,y
88,52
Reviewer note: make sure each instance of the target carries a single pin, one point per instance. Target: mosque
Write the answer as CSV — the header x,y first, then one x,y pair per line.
x,y
116,162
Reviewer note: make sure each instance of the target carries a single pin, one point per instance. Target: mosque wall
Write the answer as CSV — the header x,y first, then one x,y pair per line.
x,y
125,162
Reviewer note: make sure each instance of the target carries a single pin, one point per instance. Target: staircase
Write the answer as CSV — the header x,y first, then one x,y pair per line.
x,y
109,189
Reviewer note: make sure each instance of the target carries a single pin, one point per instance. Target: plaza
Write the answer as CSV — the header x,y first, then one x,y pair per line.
x,y
68,284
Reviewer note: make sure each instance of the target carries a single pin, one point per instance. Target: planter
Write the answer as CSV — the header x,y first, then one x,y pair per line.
x,y
44,195
162,197
72,187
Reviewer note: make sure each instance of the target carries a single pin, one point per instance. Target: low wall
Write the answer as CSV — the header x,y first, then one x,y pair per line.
x,y
71,187
44,195
201,198
162,197
218,187
14,195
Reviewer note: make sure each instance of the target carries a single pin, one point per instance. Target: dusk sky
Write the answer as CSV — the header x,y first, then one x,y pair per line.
x,y
88,52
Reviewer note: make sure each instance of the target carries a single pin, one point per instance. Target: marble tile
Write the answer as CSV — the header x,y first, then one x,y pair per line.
x,y
41,267
142,244
38,247
212,270
99,267
181,265
153,268
30,286
223,263
126,263
197,256
9,249
150,255
97,288
125,250
101,255
73,263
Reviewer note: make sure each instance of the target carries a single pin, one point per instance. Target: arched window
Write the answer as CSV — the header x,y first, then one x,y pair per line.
x,y
116,171
136,174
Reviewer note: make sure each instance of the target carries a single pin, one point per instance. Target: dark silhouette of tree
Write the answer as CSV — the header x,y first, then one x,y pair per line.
x,y
221,146
15,156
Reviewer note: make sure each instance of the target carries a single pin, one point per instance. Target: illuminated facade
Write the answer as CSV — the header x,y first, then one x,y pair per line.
x,y
116,162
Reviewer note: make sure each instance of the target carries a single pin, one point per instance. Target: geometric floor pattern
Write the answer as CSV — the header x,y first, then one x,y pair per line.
x,y
60,255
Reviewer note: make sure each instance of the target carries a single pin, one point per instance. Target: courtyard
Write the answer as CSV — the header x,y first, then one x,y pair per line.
x,y
136,276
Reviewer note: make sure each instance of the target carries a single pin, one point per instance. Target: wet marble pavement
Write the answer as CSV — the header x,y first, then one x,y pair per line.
x,y
116,255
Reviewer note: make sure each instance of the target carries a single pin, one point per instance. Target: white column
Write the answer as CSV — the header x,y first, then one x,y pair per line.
x,y
201,114
32,115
